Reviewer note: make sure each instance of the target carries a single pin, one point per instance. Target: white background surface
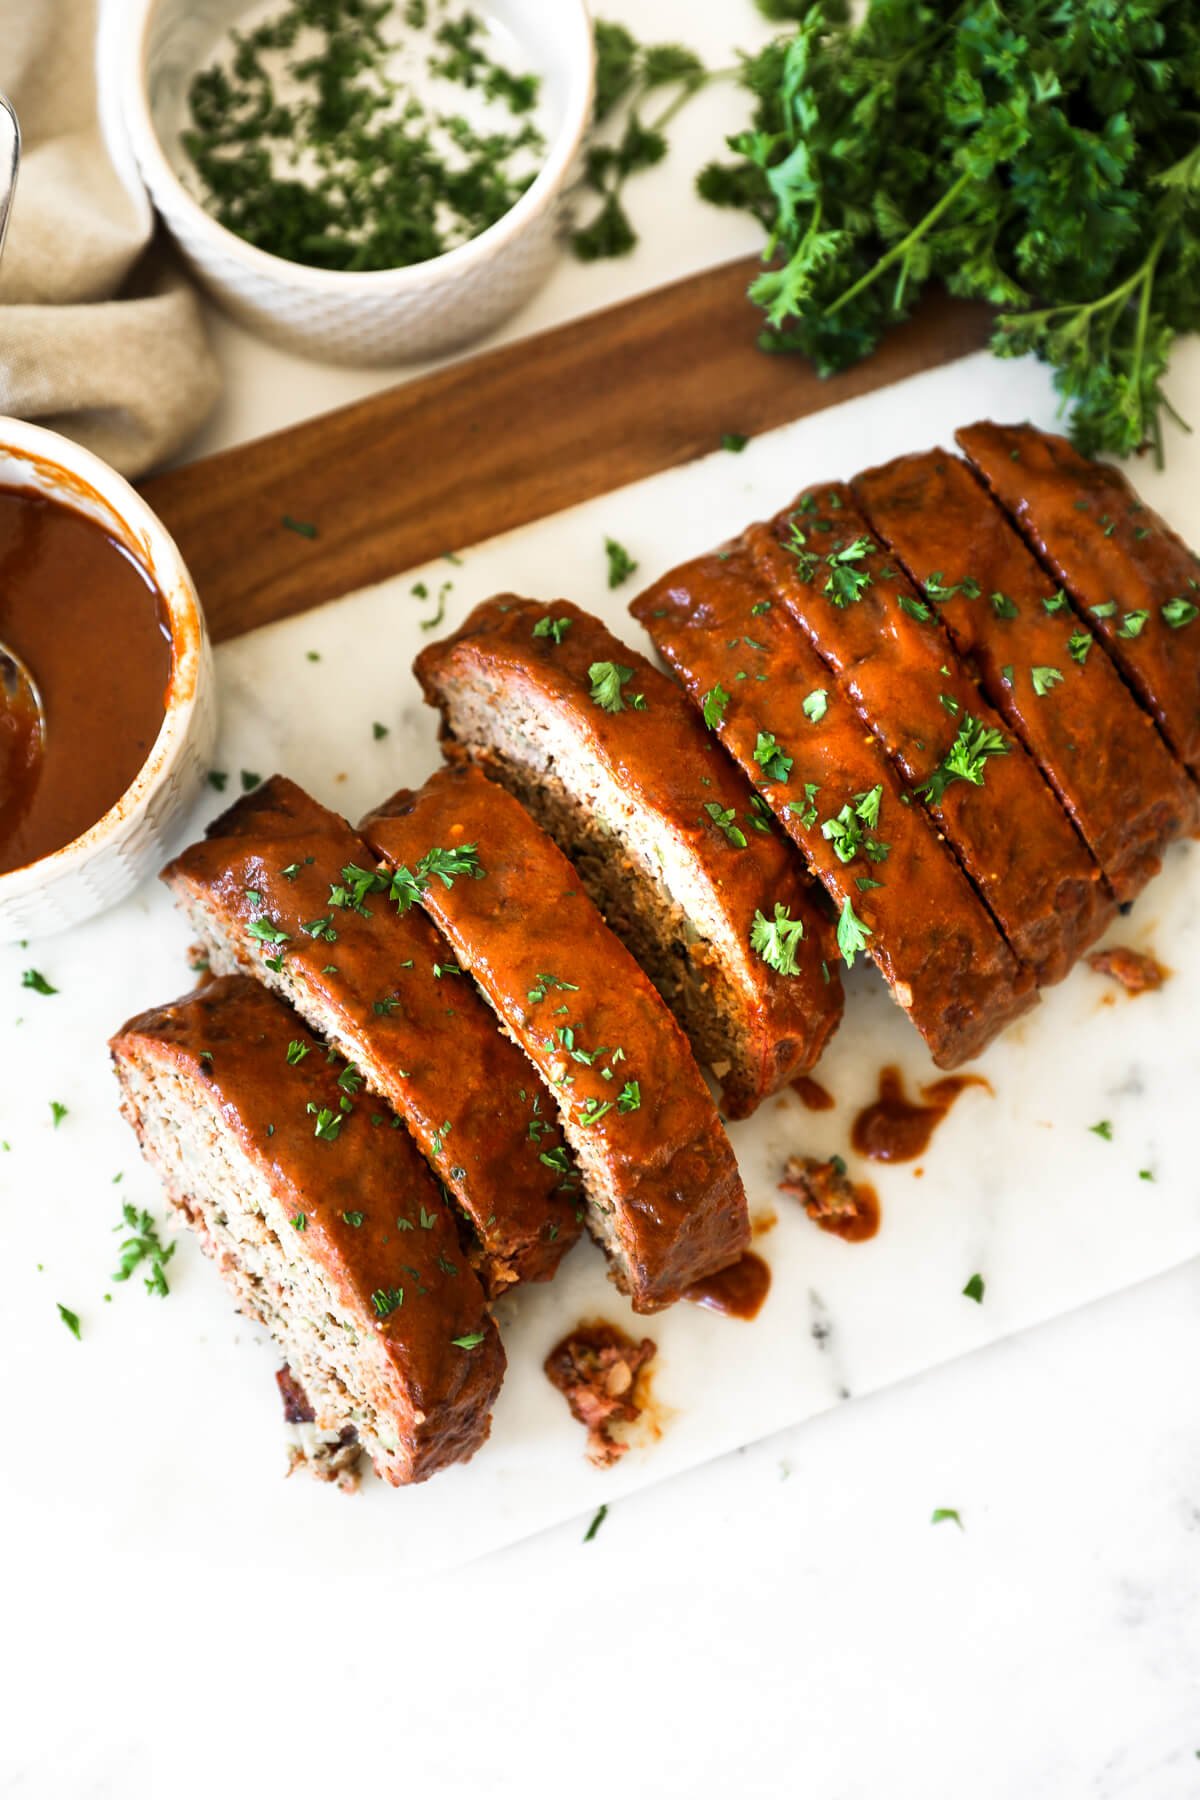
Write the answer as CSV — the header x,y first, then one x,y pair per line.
x,y
784,1620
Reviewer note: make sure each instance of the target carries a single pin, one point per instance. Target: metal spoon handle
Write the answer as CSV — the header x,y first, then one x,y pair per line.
x,y
10,162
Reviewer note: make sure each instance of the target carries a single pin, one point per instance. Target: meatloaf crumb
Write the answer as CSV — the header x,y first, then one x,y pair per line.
x,y
598,1371
326,1457
828,1195
1136,972
297,1408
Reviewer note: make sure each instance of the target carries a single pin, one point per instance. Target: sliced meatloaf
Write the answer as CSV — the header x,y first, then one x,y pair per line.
x,y
670,841
1135,581
282,888
323,1220
1033,656
661,1186
888,652
903,898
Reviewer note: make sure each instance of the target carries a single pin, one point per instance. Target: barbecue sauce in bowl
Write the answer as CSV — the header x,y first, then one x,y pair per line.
x,y
93,631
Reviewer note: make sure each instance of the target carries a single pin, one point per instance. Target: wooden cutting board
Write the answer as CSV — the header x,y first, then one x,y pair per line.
x,y
499,439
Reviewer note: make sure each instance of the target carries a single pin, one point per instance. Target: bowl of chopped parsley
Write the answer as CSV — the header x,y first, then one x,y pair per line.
x,y
367,181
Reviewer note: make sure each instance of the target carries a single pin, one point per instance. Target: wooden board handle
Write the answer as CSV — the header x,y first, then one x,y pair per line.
x,y
500,439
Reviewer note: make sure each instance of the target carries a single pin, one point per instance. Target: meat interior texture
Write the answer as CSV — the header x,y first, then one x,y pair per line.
x,y
660,1181
380,988
339,1244
1007,618
882,860
668,837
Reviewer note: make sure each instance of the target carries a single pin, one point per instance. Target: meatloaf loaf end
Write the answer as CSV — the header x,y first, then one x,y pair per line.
x,y
903,898
1133,579
283,889
323,1221
1037,661
661,1185
670,840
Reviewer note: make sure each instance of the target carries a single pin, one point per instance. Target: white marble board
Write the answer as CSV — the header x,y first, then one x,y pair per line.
x,y
168,1444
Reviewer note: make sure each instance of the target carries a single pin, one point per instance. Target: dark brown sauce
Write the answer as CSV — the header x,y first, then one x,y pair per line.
x,y
894,1128
93,632
814,1096
738,1292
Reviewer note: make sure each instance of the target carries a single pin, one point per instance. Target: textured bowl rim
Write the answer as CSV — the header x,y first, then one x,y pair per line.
x,y
126,55
86,476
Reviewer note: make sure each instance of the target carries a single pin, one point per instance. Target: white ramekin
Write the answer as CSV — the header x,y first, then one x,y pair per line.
x,y
131,841
153,47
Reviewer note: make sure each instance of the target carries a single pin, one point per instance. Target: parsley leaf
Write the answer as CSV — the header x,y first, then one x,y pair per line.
x,y
816,705
714,704
33,978
607,680
771,757
852,933
1045,678
552,628
776,940
620,564
966,758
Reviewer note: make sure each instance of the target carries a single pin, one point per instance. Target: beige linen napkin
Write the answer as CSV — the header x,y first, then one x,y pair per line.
x,y
96,340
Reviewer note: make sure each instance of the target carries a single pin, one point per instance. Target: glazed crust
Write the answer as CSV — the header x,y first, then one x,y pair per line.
x,y
1108,550
526,930
666,763
230,1041
931,936
1110,768
907,683
426,1042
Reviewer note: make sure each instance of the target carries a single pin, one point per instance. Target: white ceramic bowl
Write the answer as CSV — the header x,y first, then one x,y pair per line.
x,y
132,840
154,48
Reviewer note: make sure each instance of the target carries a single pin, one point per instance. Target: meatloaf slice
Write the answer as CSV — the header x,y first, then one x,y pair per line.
x,y
1034,660
282,888
890,655
779,712
322,1219
662,1189
1134,580
670,840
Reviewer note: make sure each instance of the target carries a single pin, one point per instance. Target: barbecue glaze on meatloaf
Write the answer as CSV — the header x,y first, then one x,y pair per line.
x,y
778,711
1036,660
670,841
661,1185
327,1226
383,990
1132,578
889,654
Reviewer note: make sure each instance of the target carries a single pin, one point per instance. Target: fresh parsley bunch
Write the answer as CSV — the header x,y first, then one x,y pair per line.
x,y
1040,155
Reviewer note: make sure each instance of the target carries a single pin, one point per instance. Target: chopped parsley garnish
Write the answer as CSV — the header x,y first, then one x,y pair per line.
x,y
217,778
714,704
144,1245
1003,607
406,886
630,1098
387,1301
966,758
598,1518
725,819
607,679
33,978
70,1319
354,1219
328,1124
943,1513
776,940
816,705
852,933
806,809
593,1110
846,833
1044,678
1179,612
771,757
975,1288
546,983
266,933
1103,1129
471,1340
1055,603
297,1051
620,564
378,731
1103,609
552,628
734,441
321,928
302,527
1132,624
300,1221
1079,645
846,584
250,780
58,1112
916,609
